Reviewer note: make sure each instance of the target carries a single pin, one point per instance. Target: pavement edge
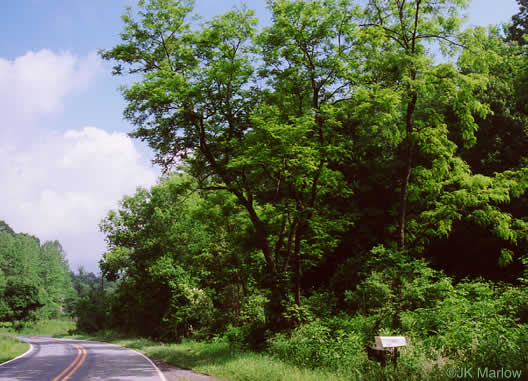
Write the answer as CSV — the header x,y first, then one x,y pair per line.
x,y
19,356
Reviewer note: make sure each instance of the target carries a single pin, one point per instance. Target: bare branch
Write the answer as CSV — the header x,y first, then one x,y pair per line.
x,y
441,38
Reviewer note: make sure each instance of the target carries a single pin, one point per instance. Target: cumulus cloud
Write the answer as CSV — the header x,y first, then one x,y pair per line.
x,y
60,185
37,83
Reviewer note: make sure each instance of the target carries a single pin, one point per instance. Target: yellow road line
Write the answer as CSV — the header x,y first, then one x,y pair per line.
x,y
81,352
78,364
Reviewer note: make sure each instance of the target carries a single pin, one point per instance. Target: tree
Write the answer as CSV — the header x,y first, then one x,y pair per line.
x,y
56,280
196,103
34,279
502,138
519,27
422,87
22,300
4,307
494,179
275,118
177,259
5,228
154,243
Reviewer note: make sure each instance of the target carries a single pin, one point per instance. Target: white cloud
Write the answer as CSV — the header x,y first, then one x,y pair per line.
x,y
38,82
62,187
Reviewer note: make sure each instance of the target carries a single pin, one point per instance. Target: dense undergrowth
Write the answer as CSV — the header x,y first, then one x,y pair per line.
x,y
448,325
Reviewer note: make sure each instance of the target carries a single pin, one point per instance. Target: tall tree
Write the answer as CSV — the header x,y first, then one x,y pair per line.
x,y
519,27
32,276
197,102
56,280
277,136
407,26
498,159
5,228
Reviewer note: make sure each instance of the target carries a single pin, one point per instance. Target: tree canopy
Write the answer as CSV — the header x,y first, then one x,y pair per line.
x,y
34,278
296,152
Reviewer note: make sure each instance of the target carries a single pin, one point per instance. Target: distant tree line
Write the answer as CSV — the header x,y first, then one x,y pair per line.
x,y
36,281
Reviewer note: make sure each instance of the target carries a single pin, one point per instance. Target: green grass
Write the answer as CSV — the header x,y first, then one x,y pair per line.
x,y
223,362
41,327
219,360
11,347
48,327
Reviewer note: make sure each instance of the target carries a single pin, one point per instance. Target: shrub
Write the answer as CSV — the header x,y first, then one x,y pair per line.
x,y
394,283
236,336
322,303
317,345
479,324
252,309
251,336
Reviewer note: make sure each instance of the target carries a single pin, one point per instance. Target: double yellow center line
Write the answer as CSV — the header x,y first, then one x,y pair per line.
x,y
72,368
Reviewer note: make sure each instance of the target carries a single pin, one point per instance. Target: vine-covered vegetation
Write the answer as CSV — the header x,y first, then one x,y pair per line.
x,y
327,180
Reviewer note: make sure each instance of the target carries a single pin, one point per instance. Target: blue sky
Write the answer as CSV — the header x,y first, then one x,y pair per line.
x,y
65,159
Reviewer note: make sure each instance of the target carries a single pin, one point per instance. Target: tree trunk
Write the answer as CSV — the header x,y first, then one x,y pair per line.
x,y
404,196
406,175
298,270
275,308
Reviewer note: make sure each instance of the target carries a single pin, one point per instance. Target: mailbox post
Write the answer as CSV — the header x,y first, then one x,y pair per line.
x,y
386,346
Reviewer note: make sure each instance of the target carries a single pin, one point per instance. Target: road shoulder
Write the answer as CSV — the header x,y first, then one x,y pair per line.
x,y
174,373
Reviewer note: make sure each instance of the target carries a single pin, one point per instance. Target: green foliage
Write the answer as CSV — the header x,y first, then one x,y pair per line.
x,y
44,327
306,152
56,280
188,306
250,337
394,283
190,256
91,312
478,323
5,228
322,303
22,301
34,279
316,345
253,309
519,28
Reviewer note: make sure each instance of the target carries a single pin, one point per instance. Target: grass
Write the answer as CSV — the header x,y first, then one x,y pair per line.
x,y
219,360
223,362
48,327
10,347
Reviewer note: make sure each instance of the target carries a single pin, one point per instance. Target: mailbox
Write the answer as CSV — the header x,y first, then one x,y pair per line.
x,y
386,348
390,341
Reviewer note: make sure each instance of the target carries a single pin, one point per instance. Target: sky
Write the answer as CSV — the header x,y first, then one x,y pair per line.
x,y
65,156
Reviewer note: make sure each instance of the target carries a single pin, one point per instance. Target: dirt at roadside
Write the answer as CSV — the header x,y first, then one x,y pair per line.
x,y
173,373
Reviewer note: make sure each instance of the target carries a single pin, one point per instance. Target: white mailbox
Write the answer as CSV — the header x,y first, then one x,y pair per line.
x,y
390,341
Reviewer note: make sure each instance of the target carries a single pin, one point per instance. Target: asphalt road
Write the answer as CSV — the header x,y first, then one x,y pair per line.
x,y
74,360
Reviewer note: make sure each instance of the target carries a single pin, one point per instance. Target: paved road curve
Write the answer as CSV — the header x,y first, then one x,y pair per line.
x,y
74,360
